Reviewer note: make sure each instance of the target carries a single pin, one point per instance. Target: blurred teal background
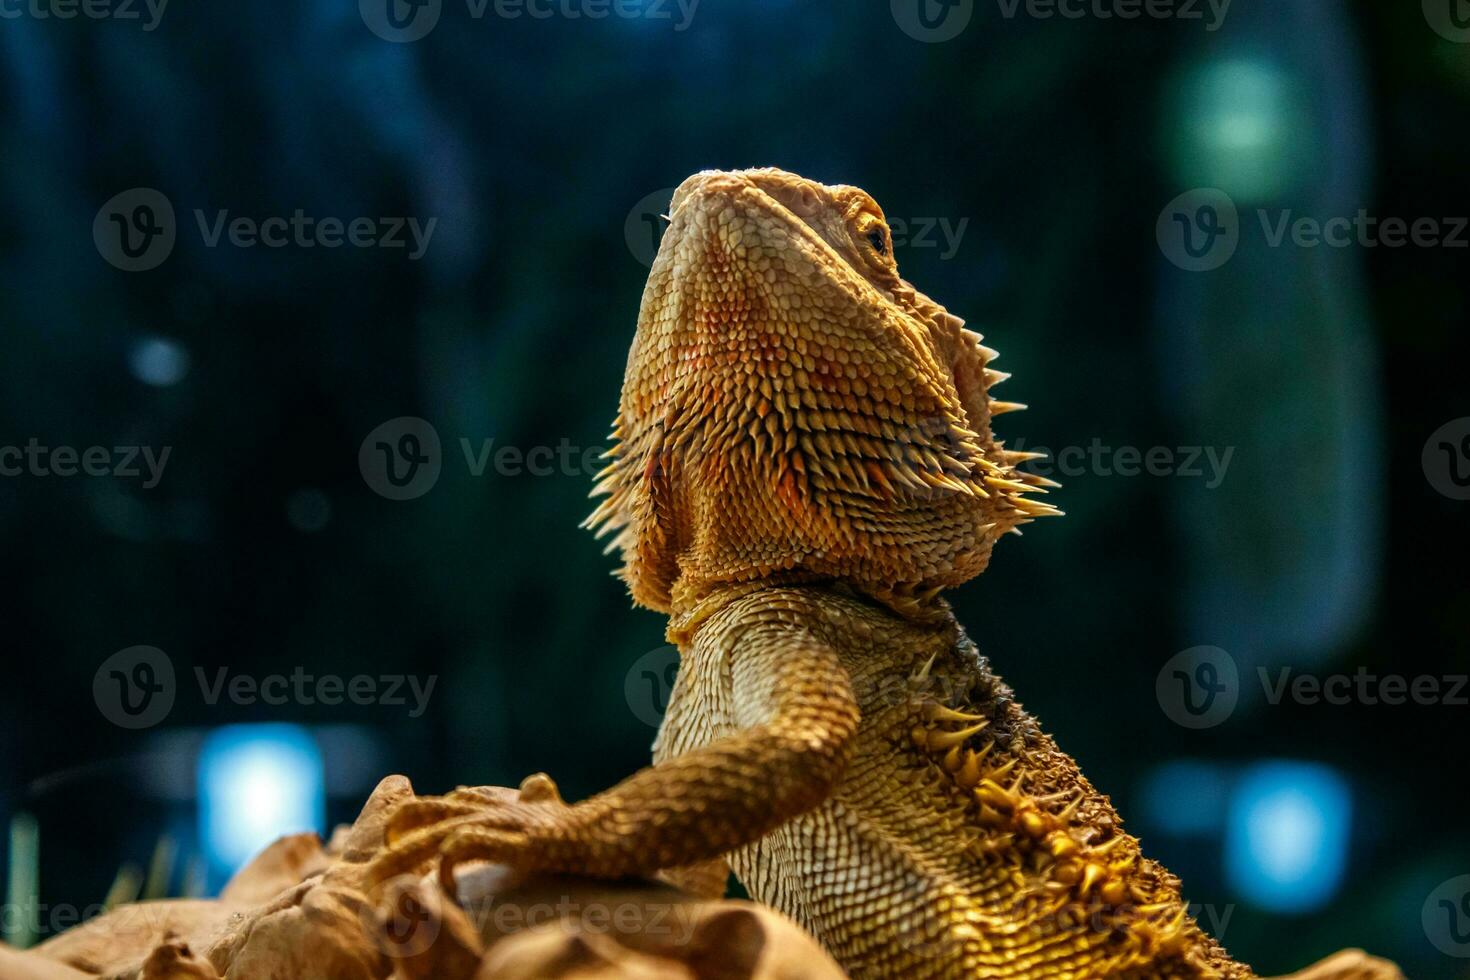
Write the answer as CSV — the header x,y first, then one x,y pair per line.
x,y
1042,172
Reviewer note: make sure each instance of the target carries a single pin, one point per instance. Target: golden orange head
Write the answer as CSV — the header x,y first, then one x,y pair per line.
x,y
792,405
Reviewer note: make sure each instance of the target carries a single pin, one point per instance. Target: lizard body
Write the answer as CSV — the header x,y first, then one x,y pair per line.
x,y
936,855
804,462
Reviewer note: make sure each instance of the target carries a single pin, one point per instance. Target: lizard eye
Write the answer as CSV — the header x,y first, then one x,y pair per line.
x,y
878,240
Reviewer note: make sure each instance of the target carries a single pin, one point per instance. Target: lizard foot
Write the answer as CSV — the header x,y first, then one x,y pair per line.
x,y
473,824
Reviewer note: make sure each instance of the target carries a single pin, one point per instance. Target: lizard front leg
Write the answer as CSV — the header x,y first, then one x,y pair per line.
x,y
795,722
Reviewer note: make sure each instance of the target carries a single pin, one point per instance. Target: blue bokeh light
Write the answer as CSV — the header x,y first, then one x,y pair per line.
x,y
256,783
1186,797
1287,835
158,361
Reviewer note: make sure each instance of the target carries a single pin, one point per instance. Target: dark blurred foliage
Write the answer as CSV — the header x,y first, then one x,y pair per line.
x,y
263,549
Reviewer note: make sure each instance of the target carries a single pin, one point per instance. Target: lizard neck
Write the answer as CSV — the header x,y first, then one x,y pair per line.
x,y
692,605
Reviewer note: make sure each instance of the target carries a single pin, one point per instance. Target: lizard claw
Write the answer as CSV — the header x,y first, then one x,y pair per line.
x,y
478,844
469,824
539,788
415,814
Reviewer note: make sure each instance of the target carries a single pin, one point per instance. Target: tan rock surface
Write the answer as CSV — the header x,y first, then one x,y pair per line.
x,y
300,909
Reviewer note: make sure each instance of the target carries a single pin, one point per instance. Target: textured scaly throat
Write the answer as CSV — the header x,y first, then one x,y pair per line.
x,y
692,607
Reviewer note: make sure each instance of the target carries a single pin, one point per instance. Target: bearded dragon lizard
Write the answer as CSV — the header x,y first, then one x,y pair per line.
x,y
804,462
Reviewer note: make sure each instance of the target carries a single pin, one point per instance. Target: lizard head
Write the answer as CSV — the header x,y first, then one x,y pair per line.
x,y
793,407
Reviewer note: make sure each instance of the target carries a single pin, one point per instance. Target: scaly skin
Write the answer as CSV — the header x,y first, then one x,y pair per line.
x,y
804,462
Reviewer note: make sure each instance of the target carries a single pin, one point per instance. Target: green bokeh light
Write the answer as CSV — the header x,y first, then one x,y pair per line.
x,y
1238,124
